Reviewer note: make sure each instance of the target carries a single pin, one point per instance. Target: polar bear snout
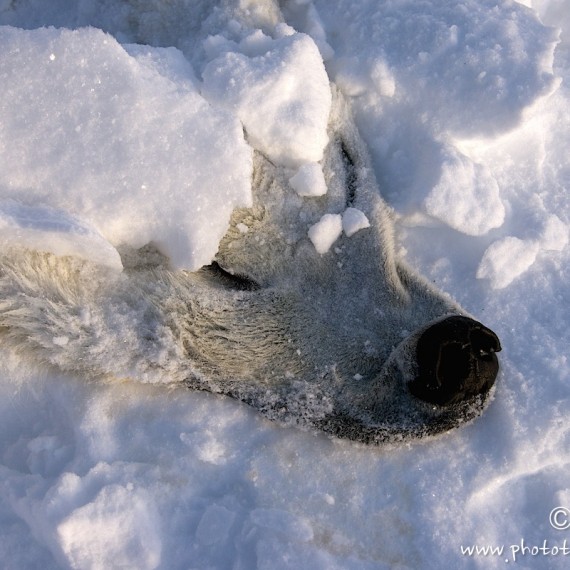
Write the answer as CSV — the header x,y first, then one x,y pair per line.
x,y
456,361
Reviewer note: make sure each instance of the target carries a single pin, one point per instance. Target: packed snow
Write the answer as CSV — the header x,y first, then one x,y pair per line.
x,y
278,88
119,136
140,129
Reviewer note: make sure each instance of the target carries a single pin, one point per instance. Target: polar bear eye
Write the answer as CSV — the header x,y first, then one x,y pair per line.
x,y
230,280
349,173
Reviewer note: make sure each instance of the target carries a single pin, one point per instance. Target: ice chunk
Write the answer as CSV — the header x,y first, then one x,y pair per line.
x,y
309,180
354,220
123,142
280,91
46,229
325,232
507,259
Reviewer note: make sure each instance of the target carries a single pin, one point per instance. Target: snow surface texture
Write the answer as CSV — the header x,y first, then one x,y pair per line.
x,y
451,97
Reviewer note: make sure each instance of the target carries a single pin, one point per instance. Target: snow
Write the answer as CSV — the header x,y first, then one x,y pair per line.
x,y
325,232
555,234
120,137
354,220
214,525
114,529
45,229
466,61
280,91
466,196
468,126
309,180
504,260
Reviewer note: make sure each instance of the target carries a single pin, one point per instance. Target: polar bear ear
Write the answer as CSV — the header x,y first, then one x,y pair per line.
x,y
456,361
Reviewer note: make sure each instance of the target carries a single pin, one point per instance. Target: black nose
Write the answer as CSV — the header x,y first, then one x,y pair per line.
x,y
456,361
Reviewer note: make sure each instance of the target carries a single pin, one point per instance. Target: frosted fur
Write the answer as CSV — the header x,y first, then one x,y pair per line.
x,y
322,341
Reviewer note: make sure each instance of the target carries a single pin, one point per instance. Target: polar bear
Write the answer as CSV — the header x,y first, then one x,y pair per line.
x,y
349,341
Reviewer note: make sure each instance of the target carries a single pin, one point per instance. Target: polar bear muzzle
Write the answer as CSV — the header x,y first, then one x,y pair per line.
x,y
456,361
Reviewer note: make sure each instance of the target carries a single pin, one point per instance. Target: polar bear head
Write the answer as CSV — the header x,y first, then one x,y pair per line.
x,y
308,314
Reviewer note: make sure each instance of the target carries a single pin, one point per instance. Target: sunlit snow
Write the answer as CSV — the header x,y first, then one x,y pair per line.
x,y
119,136
141,129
